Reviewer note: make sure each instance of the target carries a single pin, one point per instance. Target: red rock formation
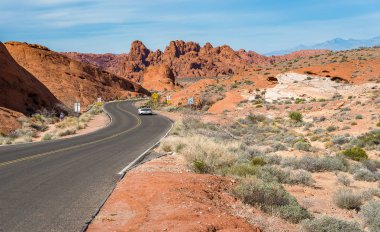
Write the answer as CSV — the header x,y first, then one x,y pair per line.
x,y
20,92
185,59
70,80
158,78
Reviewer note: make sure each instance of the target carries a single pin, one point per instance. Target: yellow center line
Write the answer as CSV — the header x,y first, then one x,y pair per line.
x,y
76,146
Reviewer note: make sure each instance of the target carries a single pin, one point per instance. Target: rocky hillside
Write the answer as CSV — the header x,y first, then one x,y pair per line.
x,y
185,59
70,80
20,92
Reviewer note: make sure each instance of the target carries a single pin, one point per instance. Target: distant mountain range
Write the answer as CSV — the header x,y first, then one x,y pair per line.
x,y
334,45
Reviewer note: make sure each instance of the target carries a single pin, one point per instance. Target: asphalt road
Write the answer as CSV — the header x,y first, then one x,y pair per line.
x,y
58,185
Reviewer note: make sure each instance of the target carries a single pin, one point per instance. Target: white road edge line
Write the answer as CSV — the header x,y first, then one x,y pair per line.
x,y
124,170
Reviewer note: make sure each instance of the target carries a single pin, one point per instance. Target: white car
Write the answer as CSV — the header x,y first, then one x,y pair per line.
x,y
145,110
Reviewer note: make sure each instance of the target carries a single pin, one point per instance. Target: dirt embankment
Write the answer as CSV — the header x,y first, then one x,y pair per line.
x,y
162,195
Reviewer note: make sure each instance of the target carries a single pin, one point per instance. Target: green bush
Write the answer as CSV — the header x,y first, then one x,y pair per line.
x,y
47,136
356,153
272,198
200,166
302,146
371,215
329,224
258,161
331,128
242,170
378,124
346,199
296,116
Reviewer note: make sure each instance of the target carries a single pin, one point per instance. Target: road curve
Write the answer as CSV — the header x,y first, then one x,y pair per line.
x,y
58,185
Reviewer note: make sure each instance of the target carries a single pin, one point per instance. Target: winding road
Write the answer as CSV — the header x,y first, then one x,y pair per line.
x,y
59,185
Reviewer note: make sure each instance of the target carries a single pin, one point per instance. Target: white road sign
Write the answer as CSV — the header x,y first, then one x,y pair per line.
x,y
190,101
77,107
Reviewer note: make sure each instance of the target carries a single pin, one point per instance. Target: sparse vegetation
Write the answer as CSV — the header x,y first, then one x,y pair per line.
x,y
345,198
329,224
356,153
370,213
272,198
296,116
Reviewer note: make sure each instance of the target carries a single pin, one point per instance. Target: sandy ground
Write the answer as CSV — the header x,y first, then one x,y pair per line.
x,y
162,195
97,122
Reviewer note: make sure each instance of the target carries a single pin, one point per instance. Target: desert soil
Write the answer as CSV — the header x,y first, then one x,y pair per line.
x,y
163,195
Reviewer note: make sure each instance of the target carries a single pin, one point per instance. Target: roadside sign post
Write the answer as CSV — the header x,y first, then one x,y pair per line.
x,y
190,101
99,101
155,98
168,100
77,110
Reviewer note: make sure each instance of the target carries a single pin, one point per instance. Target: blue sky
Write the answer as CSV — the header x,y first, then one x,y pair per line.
x,y
101,26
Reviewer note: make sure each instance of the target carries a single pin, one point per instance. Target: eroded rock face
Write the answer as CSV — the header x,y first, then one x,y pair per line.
x,y
185,59
69,80
20,90
158,78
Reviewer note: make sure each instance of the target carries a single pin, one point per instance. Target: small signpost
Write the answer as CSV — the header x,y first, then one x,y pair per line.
x,y
168,100
190,101
77,107
77,110
99,101
155,97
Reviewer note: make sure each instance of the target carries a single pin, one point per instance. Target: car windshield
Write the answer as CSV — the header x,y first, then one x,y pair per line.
x,y
145,109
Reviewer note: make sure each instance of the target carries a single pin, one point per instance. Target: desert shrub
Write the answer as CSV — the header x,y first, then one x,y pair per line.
x,y
272,198
279,147
363,174
47,136
166,147
344,179
296,116
359,116
331,128
370,140
340,139
273,159
68,131
302,146
316,164
355,153
256,118
293,212
301,177
378,124
258,160
206,151
329,224
95,110
200,166
371,165
241,170
370,213
319,119
273,174
370,193
346,199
